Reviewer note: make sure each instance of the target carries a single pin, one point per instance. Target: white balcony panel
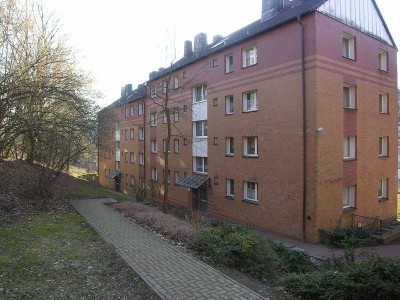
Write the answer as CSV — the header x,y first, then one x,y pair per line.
x,y
199,112
117,135
200,147
117,155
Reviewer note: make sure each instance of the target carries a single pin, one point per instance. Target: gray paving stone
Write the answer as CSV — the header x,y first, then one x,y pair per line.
x,y
171,273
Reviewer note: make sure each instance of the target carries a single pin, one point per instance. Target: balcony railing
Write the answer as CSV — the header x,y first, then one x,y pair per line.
x,y
367,223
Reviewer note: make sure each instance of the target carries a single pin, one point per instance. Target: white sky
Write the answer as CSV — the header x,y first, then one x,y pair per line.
x,y
122,41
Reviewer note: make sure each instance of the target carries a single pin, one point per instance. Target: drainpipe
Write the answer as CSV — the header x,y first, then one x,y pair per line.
x,y
144,146
303,82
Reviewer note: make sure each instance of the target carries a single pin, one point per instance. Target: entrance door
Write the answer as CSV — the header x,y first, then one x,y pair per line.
x,y
200,199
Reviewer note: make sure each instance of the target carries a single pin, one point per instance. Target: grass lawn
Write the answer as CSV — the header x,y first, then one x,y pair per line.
x,y
85,189
58,256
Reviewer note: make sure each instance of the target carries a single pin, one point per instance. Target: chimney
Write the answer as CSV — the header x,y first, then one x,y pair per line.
x,y
217,38
188,49
200,42
122,92
128,89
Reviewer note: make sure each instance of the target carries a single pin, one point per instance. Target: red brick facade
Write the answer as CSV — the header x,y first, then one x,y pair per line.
x,y
277,124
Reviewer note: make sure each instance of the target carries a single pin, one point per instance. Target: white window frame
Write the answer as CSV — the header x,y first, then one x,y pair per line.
x,y
132,110
153,146
383,192
141,158
132,133
349,147
349,97
164,88
140,109
153,91
176,82
132,157
349,46
126,157
153,120
383,103
165,120
141,133
349,196
230,143
165,146
126,112
176,114
246,144
249,56
176,145
229,105
247,98
132,180
203,93
247,194
153,174
228,65
176,175
203,129
383,146
230,185
203,167
383,60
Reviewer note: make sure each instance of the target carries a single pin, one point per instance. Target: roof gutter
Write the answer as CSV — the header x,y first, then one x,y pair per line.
x,y
304,115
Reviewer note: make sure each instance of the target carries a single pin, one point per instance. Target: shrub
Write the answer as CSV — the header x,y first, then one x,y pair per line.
x,y
346,237
236,246
176,229
292,260
375,278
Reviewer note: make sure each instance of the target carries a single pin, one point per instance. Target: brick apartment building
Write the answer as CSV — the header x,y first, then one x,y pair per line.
x,y
288,124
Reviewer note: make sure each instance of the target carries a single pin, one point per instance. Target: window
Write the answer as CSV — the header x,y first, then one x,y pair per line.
x,y
230,188
132,110
132,180
215,102
153,120
229,63
126,112
141,133
250,101
164,87
349,147
250,145
118,165
229,105
383,146
200,93
132,133
249,56
126,134
141,159
153,146
215,62
215,140
200,164
184,75
140,109
383,60
383,103
153,174
176,114
349,46
176,176
153,91
185,141
165,146
126,179
165,118
132,157
383,189
200,129
126,156
168,175
229,146
176,82
250,191
176,146
349,97
349,196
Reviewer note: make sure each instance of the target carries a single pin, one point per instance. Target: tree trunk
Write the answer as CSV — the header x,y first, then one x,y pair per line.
x,y
166,156
31,148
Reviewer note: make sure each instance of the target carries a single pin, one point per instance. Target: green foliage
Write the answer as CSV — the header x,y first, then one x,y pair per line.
x,y
375,278
239,247
347,237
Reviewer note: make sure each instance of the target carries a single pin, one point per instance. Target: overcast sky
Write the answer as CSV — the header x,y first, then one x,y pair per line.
x,y
122,41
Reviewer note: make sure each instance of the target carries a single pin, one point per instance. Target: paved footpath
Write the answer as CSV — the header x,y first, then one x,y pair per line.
x,y
171,273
